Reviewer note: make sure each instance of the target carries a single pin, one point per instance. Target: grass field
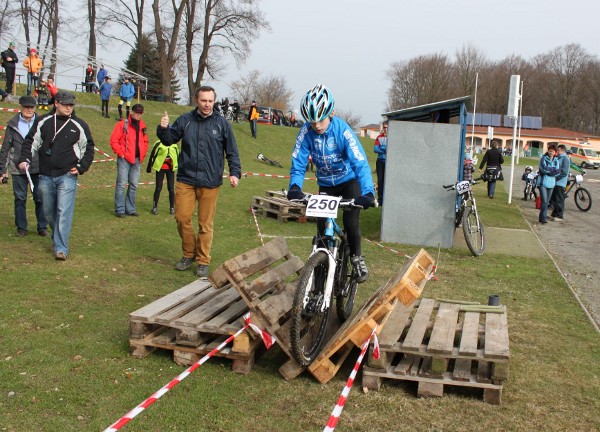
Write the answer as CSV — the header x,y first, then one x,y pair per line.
x,y
64,362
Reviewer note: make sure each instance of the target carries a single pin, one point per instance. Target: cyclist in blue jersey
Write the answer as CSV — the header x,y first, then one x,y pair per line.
x,y
342,168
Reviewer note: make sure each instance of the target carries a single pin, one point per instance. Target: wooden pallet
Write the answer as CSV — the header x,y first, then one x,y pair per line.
x,y
438,343
191,322
265,278
404,287
279,207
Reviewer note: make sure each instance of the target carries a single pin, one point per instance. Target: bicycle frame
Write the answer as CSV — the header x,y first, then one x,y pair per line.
x,y
328,238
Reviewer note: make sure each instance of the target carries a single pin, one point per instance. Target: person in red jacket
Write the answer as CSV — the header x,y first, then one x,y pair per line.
x,y
129,141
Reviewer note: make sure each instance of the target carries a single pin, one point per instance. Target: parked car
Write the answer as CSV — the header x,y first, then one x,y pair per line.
x,y
269,115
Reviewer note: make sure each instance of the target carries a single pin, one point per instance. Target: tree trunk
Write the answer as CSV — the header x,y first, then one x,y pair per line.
x,y
92,23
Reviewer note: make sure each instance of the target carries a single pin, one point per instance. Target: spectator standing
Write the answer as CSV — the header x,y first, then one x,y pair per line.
x,y
548,170
235,106
101,74
52,89
206,140
105,91
34,65
42,94
89,79
126,94
253,118
380,147
9,63
557,201
17,129
65,148
129,141
492,160
163,159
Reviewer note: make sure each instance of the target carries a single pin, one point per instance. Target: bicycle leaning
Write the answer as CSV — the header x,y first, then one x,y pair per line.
x,y
466,214
583,199
327,274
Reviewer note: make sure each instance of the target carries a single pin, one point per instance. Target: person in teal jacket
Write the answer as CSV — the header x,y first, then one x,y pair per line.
x,y
557,201
548,170
163,160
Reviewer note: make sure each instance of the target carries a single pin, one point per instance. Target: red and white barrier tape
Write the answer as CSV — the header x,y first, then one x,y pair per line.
x,y
339,407
103,153
102,160
141,407
387,248
251,174
14,110
256,224
2,127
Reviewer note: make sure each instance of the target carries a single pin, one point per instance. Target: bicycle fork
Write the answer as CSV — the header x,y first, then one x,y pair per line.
x,y
328,283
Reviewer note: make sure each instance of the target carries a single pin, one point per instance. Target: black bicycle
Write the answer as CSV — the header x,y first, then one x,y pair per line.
x,y
583,198
328,273
466,214
262,157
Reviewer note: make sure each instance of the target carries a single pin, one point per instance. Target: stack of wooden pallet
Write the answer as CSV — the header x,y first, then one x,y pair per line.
x,y
275,205
438,343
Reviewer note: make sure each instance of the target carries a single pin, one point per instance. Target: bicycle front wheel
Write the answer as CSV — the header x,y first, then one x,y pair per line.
x,y
346,288
473,230
309,324
583,199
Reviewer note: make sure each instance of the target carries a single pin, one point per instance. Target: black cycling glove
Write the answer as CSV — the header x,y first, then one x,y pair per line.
x,y
365,201
295,193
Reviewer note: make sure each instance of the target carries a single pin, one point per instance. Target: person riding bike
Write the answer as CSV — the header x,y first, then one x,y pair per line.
x,y
342,168
525,177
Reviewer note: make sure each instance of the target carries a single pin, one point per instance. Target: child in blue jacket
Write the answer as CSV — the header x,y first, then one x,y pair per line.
x,y
105,91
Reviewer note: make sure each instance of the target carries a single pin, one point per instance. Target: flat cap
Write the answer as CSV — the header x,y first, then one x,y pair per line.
x,y
64,98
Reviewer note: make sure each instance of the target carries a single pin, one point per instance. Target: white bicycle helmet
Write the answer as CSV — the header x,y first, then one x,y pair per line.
x,y
317,104
529,167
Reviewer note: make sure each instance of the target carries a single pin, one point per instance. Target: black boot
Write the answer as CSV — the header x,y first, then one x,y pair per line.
x,y
154,210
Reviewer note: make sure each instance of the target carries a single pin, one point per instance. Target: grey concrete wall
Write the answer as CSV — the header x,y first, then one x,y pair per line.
x,y
421,157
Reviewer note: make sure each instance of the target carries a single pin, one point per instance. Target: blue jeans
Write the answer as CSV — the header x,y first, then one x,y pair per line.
x,y
545,193
31,82
20,186
58,199
253,128
491,187
126,173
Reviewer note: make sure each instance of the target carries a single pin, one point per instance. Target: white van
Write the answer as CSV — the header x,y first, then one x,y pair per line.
x,y
583,155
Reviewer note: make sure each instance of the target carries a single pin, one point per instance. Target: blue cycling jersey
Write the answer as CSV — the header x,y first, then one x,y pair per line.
x,y
337,154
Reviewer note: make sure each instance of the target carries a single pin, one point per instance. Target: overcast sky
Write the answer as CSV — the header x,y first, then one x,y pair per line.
x,y
349,45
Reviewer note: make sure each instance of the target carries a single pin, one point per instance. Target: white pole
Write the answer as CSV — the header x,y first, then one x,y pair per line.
x,y
520,124
474,109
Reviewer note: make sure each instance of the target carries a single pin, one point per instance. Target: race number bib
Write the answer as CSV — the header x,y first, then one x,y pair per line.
x,y
323,206
530,176
462,187
579,178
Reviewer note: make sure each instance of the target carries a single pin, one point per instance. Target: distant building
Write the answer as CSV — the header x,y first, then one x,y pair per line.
x,y
370,130
534,138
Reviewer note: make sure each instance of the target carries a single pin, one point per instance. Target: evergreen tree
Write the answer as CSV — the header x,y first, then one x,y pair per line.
x,y
151,67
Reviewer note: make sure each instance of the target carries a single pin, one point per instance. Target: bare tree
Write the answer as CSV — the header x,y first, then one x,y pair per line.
x,y
349,117
40,19
469,62
119,15
270,91
5,15
167,38
226,27
91,6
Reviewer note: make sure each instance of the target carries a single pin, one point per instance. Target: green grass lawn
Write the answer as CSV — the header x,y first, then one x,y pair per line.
x,y
64,362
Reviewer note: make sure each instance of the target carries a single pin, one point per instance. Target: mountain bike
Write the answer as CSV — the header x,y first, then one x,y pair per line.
x,y
328,273
583,199
466,214
530,186
262,157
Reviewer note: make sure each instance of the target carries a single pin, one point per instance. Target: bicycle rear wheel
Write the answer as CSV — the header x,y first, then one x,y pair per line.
x,y
345,287
309,324
583,199
474,234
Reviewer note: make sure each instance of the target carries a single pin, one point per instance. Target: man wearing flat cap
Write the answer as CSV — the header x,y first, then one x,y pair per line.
x,y
17,129
129,141
65,148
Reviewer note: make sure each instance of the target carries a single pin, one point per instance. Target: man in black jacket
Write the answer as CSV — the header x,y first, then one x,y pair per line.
x,y
206,140
494,160
9,62
18,127
65,148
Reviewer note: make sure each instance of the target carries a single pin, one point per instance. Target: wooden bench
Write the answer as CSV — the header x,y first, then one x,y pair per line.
x,y
85,85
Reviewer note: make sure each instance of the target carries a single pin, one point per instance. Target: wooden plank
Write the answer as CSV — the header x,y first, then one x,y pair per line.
x,y
416,333
170,300
462,370
186,307
444,328
496,336
470,334
274,307
267,281
405,364
211,308
391,333
233,312
249,263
